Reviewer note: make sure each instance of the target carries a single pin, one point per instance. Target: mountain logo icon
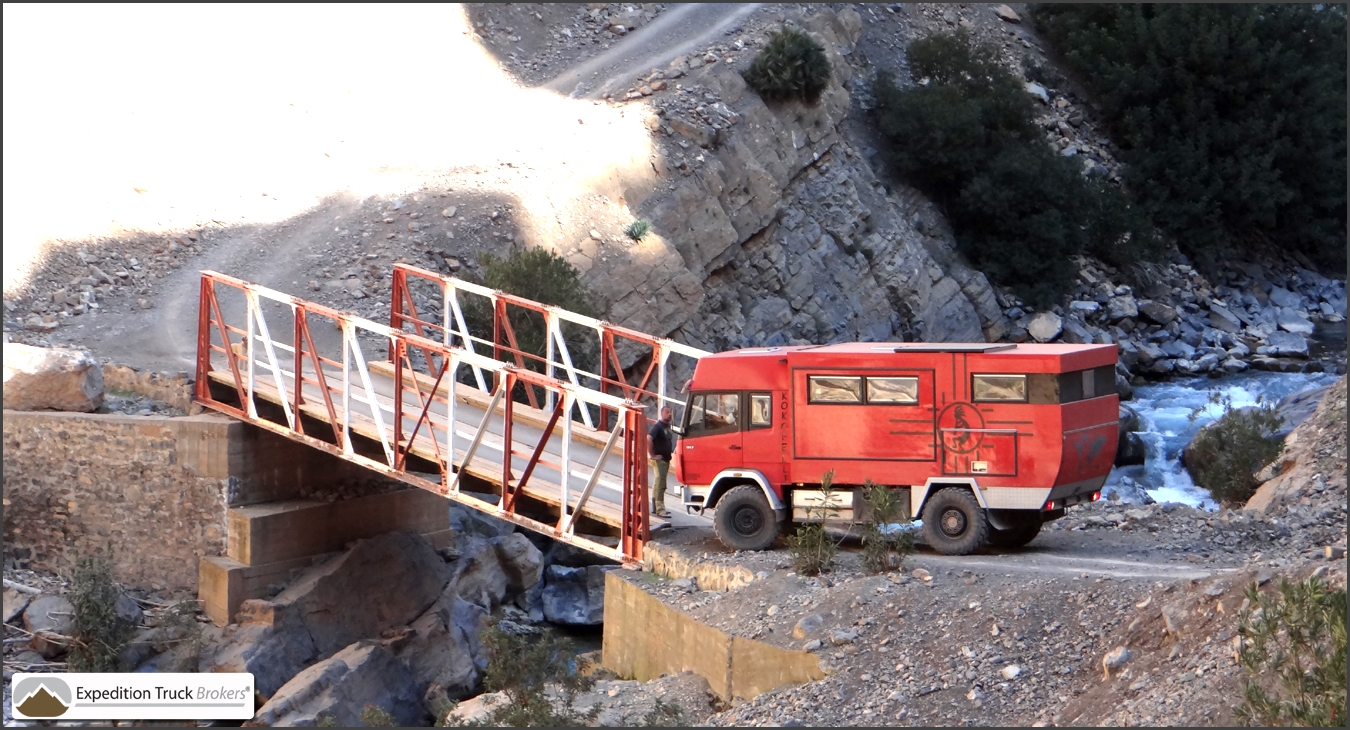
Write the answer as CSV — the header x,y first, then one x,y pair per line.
x,y
42,697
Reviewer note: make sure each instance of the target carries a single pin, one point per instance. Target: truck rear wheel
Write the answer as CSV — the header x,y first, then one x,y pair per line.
x,y
1016,536
745,520
953,523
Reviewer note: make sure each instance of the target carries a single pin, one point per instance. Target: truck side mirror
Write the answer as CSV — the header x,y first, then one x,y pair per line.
x,y
677,430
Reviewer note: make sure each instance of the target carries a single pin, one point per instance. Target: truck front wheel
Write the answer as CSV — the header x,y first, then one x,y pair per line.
x,y
953,523
744,519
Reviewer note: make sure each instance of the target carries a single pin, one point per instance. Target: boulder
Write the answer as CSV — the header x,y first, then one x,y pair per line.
x,y
1297,407
1158,313
440,653
382,583
575,596
1129,419
480,578
477,709
49,619
1286,344
1121,307
1291,320
341,686
1281,297
1075,333
1130,449
562,553
1045,326
520,560
270,642
1178,349
1223,320
14,603
50,379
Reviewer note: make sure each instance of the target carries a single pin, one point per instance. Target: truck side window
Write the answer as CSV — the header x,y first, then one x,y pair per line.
x,y
761,410
712,413
834,389
892,390
999,388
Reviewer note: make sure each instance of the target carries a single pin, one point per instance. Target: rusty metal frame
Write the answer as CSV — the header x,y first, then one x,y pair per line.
x,y
556,361
297,383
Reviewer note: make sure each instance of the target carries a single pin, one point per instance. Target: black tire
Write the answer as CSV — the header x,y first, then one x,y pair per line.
x,y
744,520
1016,536
954,523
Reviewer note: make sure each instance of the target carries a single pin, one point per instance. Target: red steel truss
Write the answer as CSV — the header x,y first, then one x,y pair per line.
x,y
408,417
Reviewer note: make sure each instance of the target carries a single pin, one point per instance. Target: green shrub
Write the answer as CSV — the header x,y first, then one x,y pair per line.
x,y
637,230
1231,118
1225,455
545,277
182,635
99,634
372,716
1293,656
884,550
523,667
965,136
791,66
812,550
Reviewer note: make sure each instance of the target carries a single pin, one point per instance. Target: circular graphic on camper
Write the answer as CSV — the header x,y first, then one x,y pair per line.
x,y
961,426
42,696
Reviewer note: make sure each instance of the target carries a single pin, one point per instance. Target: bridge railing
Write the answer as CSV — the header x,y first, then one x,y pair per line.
x,y
265,344
562,331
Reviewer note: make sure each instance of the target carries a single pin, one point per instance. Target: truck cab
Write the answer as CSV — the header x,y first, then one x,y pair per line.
x,y
987,441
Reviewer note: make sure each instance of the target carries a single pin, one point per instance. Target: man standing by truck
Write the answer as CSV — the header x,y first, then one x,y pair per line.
x,y
661,442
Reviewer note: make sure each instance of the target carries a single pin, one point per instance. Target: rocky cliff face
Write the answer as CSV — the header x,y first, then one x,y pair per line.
x,y
783,233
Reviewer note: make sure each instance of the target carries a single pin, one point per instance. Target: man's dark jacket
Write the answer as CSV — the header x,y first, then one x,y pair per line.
x,y
662,440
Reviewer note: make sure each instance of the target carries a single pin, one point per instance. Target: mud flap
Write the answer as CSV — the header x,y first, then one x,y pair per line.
x,y
1007,519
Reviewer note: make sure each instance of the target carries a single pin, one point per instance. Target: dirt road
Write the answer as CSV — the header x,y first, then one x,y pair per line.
x,y
680,29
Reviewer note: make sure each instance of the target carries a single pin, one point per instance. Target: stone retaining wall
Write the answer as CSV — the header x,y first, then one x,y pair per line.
x,y
644,639
153,489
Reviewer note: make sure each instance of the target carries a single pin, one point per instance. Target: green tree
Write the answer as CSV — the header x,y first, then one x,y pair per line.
x,y
965,134
545,277
100,633
1231,118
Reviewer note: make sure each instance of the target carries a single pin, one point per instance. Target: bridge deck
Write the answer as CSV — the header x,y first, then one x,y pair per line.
x,y
605,502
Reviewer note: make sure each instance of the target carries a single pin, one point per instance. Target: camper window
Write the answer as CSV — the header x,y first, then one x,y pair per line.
x,y
892,390
999,388
832,389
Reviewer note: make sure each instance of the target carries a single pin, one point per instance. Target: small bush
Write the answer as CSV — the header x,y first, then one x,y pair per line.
x,y
637,230
1225,456
1293,656
182,634
662,714
523,667
372,716
791,66
812,550
99,633
883,550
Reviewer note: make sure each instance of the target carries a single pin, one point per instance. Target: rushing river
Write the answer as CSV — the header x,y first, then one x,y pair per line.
x,y
1164,414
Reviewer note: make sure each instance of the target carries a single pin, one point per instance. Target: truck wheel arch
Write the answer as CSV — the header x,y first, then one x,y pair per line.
x,y
728,479
918,495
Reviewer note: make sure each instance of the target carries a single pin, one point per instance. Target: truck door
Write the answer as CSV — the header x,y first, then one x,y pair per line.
x,y
712,437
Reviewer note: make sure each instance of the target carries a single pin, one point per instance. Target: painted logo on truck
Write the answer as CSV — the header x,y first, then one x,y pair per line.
x,y
961,426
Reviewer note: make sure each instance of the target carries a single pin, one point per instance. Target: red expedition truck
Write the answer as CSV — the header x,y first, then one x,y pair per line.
x,y
988,441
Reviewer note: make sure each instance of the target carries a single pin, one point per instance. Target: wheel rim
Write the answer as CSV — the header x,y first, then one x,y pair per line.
x,y
953,522
747,521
